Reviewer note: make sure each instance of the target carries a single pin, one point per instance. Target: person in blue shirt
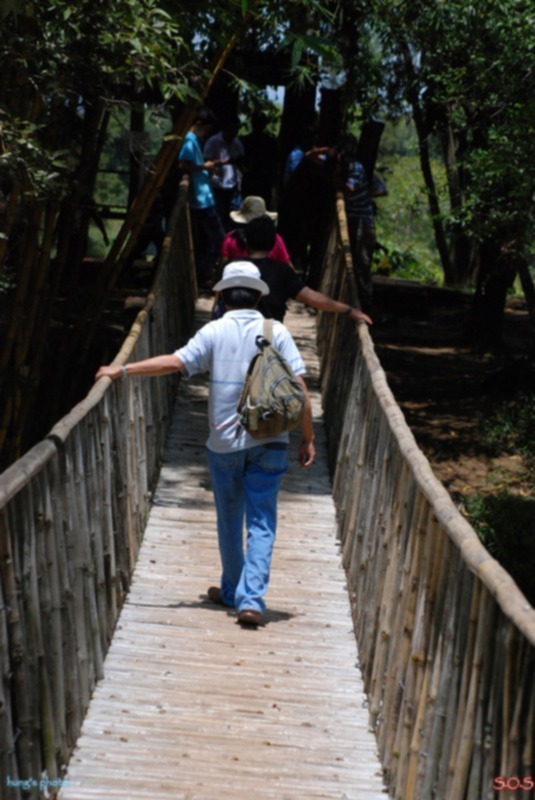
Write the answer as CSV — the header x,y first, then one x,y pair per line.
x,y
304,143
208,232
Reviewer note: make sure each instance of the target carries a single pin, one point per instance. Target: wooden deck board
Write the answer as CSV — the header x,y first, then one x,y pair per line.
x,y
192,706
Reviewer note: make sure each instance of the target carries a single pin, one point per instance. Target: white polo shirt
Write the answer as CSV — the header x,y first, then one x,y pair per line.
x,y
224,348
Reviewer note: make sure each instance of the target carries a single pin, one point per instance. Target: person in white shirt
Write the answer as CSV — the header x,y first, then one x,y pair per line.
x,y
226,149
245,471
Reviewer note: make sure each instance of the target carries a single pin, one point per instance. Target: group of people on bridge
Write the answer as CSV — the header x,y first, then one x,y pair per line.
x,y
248,266
232,182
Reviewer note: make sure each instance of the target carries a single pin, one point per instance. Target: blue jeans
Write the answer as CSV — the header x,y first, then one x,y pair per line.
x,y
245,485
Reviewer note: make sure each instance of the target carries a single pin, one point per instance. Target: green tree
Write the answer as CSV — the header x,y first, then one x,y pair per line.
x,y
468,71
65,67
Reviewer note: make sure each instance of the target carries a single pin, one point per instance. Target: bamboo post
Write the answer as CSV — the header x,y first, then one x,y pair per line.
x,y
8,763
466,740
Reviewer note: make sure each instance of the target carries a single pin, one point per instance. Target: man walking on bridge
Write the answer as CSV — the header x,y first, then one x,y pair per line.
x,y
245,474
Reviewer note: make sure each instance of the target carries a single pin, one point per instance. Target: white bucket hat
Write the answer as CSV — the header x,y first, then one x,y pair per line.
x,y
251,208
241,275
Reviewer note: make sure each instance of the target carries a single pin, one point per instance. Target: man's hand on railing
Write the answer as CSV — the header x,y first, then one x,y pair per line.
x,y
112,371
149,367
359,316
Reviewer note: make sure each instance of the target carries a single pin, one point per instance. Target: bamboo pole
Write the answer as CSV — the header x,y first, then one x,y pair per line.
x,y
410,656
123,244
33,637
21,685
8,763
8,353
104,469
466,740
63,570
527,754
416,741
10,213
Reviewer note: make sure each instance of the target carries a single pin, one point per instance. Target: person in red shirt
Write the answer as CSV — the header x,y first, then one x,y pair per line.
x,y
283,281
234,244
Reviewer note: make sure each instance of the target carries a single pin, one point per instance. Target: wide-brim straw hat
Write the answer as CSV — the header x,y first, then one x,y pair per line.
x,y
241,275
251,208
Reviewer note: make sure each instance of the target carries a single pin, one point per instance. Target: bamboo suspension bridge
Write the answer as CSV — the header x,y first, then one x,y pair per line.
x,y
194,706
397,658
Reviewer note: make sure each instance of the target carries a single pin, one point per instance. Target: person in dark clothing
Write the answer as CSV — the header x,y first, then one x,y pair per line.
x,y
260,162
305,209
226,151
283,281
305,141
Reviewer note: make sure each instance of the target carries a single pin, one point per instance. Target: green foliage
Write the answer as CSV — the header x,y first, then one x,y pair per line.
x,y
404,227
505,523
61,59
473,65
392,262
42,171
510,428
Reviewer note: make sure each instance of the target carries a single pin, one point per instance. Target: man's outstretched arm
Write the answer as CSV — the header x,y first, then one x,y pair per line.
x,y
150,367
310,297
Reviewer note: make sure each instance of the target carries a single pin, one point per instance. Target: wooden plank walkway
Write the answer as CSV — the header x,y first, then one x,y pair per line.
x,y
193,706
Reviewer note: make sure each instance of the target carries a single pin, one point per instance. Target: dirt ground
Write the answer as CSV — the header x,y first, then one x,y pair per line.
x,y
444,389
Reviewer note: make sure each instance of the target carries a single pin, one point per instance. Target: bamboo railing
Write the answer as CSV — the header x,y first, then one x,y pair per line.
x,y
446,638
72,514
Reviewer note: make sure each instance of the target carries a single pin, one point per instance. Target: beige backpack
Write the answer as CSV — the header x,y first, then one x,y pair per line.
x,y
272,400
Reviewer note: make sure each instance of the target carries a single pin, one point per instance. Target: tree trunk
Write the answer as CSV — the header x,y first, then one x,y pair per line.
x,y
496,276
368,146
299,107
413,89
527,287
464,251
331,117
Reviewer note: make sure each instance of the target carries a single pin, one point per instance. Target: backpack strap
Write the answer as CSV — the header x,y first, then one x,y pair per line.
x,y
268,330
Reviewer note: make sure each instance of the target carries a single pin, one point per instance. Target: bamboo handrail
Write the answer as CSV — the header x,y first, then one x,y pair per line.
x,y
476,556
446,638
72,514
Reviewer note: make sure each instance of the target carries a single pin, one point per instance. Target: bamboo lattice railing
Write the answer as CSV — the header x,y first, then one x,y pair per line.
x,y
72,515
446,638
